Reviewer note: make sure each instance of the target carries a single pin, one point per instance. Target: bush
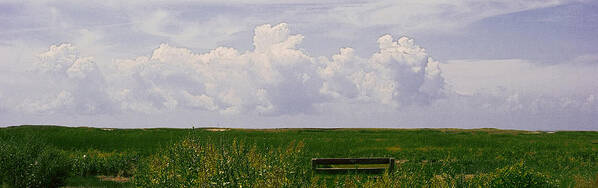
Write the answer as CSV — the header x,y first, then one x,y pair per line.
x,y
194,164
517,175
32,164
95,162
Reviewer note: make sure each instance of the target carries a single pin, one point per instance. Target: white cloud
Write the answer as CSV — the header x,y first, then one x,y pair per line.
x,y
58,58
398,83
266,80
64,63
277,77
274,78
399,73
69,82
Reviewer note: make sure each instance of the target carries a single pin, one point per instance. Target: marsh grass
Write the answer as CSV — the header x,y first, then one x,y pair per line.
x,y
32,164
195,163
94,162
425,157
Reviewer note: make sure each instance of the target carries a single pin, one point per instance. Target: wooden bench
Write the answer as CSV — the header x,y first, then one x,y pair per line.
x,y
352,164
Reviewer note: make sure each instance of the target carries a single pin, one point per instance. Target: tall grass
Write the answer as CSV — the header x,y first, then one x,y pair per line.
x,y
94,162
193,163
28,162
32,164
426,158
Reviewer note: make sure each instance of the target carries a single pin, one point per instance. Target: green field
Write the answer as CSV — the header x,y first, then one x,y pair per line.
x,y
281,157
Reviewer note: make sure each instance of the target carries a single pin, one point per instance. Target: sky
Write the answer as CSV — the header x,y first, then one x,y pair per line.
x,y
506,64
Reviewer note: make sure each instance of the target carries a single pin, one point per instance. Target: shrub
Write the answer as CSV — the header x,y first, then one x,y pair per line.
x,y
95,162
194,164
32,164
516,175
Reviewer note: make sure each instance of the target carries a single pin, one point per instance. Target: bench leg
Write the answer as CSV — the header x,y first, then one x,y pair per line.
x,y
391,167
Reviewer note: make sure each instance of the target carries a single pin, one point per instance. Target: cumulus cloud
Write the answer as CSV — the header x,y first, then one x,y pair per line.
x,y
73,83
399,73
273,78
276,77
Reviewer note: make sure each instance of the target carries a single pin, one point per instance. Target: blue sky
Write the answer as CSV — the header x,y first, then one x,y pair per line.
x,y
255,64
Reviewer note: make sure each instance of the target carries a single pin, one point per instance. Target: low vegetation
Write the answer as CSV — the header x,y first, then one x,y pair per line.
x,y
193,163
50,156
32,164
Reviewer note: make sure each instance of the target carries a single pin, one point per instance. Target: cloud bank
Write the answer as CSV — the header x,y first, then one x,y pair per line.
x,y
400,84
274,78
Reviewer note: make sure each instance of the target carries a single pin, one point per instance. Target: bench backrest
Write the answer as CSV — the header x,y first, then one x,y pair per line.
x,y
344,161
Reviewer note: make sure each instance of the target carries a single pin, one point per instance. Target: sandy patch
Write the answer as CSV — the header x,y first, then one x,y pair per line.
x,y
393,148
114,179
401,161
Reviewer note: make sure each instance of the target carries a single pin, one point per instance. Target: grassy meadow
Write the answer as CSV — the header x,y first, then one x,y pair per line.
x,y
50,156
